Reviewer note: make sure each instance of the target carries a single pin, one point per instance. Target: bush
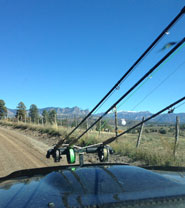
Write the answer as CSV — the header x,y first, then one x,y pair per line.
x,y
171,130
147,131
162,131
134,131
182,127
88,141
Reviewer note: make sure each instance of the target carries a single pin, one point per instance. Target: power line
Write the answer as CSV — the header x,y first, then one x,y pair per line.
x,y
127,73
151,76
132,88
169,111
108,141
132,71
161,83
180,105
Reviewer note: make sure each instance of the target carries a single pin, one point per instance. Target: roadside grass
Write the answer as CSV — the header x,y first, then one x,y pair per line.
x,y
155,148
50,130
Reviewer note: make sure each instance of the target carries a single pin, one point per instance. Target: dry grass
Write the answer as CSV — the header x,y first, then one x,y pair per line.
x,y
155,148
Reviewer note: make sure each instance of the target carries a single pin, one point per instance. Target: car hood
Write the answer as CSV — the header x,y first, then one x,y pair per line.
x,y
92,185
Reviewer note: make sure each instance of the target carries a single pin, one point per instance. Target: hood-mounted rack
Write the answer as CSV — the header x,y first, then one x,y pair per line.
x,y
102,149
103,152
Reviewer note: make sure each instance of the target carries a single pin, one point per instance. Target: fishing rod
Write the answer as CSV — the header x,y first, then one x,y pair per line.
x,y
103,149
127,73
160,84
131,89
108,141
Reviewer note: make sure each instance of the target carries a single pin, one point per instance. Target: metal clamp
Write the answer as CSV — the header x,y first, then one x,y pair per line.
x,y
102,151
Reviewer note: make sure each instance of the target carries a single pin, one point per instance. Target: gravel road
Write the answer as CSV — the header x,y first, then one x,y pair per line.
x,y
18,151
23,150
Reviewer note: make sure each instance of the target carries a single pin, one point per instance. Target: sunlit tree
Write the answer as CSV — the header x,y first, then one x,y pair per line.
x,y
34,113
21,112
3,109
45,116
52,116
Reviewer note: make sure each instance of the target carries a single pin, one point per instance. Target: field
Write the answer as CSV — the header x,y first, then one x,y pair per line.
x,y
156,147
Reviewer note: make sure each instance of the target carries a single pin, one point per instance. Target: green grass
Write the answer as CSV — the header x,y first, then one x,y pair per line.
x,y
155,148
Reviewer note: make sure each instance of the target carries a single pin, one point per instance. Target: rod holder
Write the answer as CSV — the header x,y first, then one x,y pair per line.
x,y
81,159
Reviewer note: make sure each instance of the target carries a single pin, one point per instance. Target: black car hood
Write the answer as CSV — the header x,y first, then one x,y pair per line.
x,y
103,185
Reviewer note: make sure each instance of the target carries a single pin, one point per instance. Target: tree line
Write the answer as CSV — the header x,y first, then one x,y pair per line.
x,y
47,117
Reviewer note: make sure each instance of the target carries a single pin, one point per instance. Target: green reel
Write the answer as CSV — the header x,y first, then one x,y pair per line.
x,y
71,156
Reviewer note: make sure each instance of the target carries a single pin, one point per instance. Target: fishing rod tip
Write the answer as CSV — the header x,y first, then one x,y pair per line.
x,y
183,10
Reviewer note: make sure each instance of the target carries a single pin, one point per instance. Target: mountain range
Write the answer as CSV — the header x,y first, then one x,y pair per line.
x,y
67,112
137,116
126,115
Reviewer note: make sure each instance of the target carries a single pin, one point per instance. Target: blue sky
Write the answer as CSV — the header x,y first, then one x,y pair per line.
x,y
66,53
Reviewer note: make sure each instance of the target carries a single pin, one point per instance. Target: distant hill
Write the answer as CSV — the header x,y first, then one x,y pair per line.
x,y
169,118
137,116
126,115
132,115
69,112
11,112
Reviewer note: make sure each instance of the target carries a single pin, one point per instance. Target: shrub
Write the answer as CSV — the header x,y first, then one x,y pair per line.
x,y
134,131
162,131
147,131
171,129
182,127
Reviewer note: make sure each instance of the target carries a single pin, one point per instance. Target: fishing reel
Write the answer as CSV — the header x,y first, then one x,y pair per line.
x,y
57,154
102,151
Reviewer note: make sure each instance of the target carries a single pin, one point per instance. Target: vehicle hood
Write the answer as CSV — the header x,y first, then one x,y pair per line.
x,y
92,185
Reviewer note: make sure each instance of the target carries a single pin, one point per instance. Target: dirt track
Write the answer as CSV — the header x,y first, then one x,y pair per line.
x,y
18,151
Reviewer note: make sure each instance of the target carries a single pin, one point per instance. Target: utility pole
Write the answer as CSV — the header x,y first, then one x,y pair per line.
x,y
116,121
100,128
176,135
67,122
87,126
140,133
87,123
55,118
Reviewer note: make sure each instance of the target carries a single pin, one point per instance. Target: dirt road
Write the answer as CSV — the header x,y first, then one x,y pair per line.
x,y
18,151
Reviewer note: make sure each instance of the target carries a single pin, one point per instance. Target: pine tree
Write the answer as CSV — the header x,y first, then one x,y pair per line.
x,y
21,112
34,113
3,109
103,125
52,116
45,116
